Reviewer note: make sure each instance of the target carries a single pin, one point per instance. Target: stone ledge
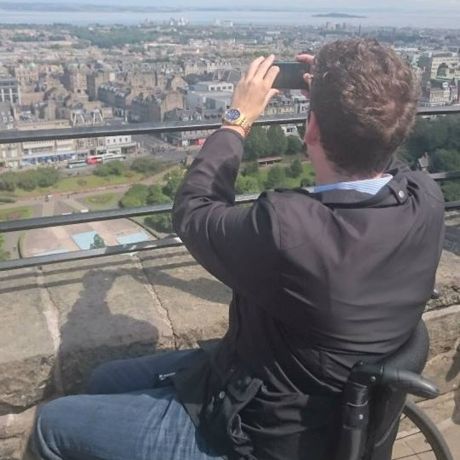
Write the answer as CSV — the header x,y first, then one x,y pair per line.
x,y
58,322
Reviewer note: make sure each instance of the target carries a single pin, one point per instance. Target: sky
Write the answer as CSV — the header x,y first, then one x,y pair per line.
x,y
307,4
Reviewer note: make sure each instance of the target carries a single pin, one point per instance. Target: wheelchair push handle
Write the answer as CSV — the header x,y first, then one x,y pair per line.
x,y
409,382
400,379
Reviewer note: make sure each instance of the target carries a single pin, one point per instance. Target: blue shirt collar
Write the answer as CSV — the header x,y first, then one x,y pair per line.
x,y
370,186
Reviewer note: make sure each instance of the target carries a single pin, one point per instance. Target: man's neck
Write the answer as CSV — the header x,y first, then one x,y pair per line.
x,y
330,176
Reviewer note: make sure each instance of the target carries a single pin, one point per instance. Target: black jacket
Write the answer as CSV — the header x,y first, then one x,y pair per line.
x,y
319,280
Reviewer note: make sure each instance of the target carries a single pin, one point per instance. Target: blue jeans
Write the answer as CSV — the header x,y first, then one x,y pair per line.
x,y
122,417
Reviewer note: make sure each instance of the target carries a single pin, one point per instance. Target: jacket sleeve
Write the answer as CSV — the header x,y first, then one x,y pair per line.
x,y
237,244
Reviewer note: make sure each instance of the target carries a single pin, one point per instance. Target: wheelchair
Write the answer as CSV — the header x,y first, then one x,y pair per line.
x,y
374,402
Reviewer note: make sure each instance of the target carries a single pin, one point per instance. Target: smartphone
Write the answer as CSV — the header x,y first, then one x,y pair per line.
x,y
291,75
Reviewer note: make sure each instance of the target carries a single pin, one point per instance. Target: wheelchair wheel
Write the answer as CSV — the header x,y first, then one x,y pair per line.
x,y
419,438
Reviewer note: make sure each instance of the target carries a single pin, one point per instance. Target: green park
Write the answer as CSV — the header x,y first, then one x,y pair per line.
x,y
154,183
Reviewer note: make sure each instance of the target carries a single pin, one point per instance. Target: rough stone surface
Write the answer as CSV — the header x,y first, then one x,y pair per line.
x,y
444,328
14,432
197,303
444,370
447,282
105,310
26,348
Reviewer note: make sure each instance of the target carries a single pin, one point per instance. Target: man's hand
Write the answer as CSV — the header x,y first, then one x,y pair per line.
x,y
309,59
254,90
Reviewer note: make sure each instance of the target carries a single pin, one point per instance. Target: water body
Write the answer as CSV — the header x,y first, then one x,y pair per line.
x,y
439,19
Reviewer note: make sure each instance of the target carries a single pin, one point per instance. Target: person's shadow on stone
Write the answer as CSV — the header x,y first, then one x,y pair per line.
x,y
94,333
453,373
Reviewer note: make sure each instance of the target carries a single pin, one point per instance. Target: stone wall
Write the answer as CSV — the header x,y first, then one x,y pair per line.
x,y
58,322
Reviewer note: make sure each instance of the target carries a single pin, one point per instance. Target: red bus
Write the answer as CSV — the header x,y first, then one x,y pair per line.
x,y
94,159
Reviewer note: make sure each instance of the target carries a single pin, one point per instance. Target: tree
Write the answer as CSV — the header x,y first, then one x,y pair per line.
x,y
135,197
301,130
46,177
156,196
145,165
98,242
27,181
8,181
160,222
251,169
444,160
276,177
256,144
112,168
295,169
277,140
451,190
173,181
294,145
247,184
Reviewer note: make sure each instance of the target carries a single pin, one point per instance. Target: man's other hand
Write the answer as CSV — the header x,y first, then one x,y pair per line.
x,y
254,91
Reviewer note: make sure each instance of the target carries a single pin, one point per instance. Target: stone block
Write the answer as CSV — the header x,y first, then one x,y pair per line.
x,y
105,309
196,302
14,433
26,346
447,282
444,370
444,329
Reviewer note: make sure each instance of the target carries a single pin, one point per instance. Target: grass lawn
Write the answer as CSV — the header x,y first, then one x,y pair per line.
x,y
102,201
82,183
23,212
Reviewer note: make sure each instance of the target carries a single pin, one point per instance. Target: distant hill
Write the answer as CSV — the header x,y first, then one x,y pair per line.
x,y
337,15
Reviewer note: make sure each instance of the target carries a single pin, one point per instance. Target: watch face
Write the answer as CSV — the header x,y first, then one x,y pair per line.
x,y
232,114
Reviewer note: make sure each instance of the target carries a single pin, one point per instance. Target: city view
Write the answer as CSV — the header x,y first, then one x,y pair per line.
x,y
104,104
58,76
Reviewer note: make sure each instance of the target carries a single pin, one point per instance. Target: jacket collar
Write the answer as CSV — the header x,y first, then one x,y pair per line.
x,y
393,193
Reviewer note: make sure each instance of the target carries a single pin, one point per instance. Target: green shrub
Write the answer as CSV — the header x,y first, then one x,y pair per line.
x,y
173,181
156,196
160,222
294,145
145,165
135,197
276,177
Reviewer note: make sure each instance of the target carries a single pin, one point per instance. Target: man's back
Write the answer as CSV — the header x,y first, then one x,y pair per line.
x,y
320,281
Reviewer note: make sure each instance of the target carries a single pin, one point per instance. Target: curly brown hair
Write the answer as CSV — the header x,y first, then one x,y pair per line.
x,y
364,98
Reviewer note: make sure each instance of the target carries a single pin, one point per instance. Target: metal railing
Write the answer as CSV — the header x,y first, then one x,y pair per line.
x,y
13,136
172,241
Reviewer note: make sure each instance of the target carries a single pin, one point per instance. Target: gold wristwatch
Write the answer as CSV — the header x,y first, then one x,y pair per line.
x,y
234,117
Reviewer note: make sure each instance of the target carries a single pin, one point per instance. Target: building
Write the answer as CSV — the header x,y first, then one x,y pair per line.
x,y
153,108
117,96
26,74
112,146
280,105
9,90
190,138
440,66
213,86
94,80
46,152
439,93
10,155
210,95
74,79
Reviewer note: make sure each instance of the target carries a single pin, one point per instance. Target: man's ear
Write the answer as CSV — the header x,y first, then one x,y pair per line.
x,y
312,134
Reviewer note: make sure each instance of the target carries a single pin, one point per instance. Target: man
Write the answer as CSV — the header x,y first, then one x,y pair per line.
x,y
320,279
